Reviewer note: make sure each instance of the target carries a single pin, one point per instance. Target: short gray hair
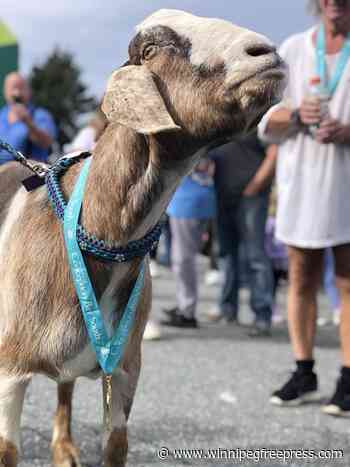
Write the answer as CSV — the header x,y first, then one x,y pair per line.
x,y
314,7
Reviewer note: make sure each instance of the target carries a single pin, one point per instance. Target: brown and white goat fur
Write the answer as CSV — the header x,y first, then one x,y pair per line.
x,y
189,82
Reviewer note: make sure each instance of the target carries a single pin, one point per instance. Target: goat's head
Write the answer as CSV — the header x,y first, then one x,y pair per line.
x,y
202,75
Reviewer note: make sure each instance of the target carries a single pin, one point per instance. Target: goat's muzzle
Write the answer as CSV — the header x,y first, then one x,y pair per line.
x,y
269,67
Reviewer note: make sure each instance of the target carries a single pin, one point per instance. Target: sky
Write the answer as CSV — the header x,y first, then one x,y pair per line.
x,y
98,32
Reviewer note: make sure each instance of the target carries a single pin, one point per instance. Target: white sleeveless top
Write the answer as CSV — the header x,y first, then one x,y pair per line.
x,y
313,180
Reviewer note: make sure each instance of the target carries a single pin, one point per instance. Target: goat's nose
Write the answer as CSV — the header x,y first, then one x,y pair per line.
x,y
259,49
253,54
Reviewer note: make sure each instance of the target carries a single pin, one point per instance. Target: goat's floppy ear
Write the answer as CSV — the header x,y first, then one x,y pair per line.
x,y
133,100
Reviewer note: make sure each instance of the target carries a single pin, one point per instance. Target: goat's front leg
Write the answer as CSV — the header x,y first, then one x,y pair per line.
x,y
124,384
64,452
12,390
116,440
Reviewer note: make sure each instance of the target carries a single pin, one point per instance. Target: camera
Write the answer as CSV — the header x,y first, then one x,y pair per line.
x,y
17,99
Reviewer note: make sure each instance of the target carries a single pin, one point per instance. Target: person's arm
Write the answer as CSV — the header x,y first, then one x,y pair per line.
x,y
284,122
279,122
206,166
37,135
332,131
289,117
264,174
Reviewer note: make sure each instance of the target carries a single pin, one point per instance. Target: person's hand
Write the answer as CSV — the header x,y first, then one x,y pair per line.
x,y
310,111
206,166
252,189
20,112
332,131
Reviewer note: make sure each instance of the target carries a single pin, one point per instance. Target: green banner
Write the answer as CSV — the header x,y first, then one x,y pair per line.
x,y
8,56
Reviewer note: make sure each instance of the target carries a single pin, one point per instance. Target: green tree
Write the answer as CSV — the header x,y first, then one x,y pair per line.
x,y
57,86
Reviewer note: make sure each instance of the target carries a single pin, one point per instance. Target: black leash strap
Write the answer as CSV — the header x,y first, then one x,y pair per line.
x,y
39,170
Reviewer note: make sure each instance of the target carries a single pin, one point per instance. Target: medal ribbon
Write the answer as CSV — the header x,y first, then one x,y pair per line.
x,y
108,350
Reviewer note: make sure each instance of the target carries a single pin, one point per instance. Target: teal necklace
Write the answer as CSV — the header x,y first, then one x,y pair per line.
x,y
332,83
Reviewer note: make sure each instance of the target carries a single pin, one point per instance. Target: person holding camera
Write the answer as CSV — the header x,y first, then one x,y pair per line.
x,y
29,129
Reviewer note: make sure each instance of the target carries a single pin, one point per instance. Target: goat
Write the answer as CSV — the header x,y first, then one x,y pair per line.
x,y
189,83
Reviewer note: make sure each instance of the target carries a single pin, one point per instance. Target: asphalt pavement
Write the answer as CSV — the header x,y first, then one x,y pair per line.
x,y
203,389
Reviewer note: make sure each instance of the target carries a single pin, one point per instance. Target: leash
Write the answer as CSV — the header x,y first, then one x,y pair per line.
x,y
38,169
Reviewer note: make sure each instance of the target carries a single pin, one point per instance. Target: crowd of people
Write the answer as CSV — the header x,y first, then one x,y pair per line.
x,y
308,135
298,230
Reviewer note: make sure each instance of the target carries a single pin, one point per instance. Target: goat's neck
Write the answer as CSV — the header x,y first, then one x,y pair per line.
x,y
131,181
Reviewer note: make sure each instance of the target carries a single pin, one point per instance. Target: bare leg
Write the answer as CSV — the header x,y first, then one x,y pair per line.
x,y
305,271
342,272
12,390
64,453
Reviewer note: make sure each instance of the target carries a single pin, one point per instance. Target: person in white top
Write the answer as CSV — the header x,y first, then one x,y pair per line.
x,y
313,180
87,137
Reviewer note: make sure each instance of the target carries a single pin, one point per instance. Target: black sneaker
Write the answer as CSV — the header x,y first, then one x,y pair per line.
x,y
339,404
300,388
178,320
232,320
171,311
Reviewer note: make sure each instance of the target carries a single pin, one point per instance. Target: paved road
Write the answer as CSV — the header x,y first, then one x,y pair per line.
x,y
206,388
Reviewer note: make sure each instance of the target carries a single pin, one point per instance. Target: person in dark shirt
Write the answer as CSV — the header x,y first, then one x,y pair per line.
x,y
243,175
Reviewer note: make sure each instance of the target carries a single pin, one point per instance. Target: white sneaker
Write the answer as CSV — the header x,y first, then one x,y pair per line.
x,y
214,277
277,318
213,315
152,332
322,321
154,268
336,317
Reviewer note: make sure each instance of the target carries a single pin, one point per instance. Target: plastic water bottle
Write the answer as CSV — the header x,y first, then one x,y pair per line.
x,y
321,94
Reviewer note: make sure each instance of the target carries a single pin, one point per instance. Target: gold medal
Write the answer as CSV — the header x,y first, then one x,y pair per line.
x,y
107,402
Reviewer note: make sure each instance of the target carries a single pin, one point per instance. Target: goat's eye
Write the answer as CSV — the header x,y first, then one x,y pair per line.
x,y
150,51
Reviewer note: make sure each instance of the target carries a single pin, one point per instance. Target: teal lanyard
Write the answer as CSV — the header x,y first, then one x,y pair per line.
x,y
332,84
108,350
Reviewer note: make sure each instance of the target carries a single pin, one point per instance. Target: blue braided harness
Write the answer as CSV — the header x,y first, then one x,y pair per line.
x,y
108,349
89,243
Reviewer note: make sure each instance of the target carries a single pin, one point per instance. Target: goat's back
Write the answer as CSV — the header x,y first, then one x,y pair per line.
x,y
11,176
